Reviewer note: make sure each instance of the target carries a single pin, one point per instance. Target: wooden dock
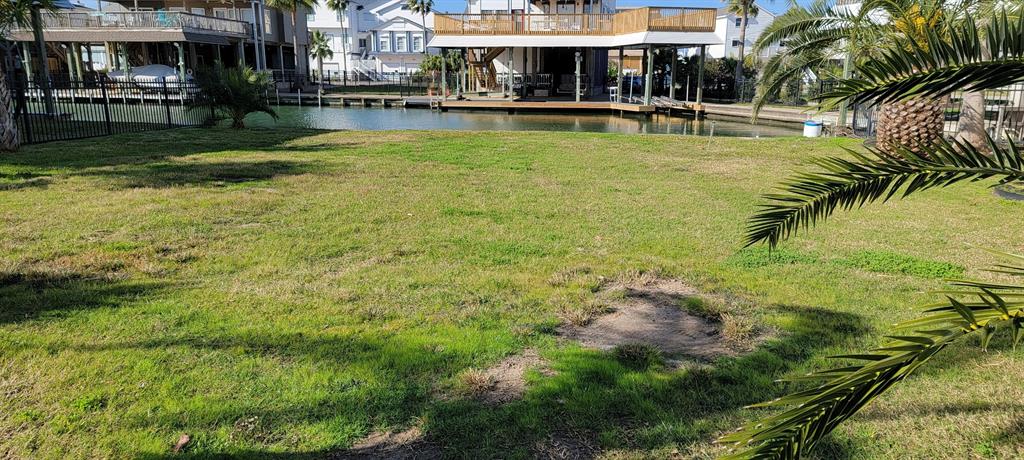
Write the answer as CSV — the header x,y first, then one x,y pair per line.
x,y
558,106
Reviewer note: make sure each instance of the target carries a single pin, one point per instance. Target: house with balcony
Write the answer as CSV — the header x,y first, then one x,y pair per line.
x,y
728,29
373,37
559,49
185,35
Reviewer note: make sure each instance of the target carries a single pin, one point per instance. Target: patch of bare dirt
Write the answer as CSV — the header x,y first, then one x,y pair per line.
x,y
649,312
506,381
563,445
402,445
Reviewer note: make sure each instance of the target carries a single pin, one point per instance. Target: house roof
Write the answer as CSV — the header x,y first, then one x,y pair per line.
x,y
395,20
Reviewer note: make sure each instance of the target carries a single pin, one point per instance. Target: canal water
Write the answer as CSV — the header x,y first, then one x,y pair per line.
x,y
374,118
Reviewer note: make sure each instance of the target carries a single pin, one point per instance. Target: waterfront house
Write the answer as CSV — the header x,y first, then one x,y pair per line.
x,y
558,49
182,34
373,37
728,30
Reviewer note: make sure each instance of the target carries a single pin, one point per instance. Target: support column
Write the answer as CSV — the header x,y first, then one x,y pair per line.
x,y
579,78
700,78
511,87
525,53
181,61
217,56
193,57
672,74
241,52
622,73
88,53
444,76
123,51
70,54
27,61
649,76
77,49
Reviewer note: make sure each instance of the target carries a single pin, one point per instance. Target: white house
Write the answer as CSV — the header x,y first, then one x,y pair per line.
x,y
373,37
727,28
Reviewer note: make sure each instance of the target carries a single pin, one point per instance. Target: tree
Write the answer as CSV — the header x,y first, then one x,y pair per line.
x,y
233,93
292,6
433,65
13,13
320,49
745,9
815,35
953,60
422,7
341,7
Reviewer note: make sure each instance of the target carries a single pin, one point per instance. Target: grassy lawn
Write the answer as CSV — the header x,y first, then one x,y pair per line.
x,y
273,292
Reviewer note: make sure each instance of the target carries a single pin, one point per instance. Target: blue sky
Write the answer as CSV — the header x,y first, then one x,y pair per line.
x,y
456,6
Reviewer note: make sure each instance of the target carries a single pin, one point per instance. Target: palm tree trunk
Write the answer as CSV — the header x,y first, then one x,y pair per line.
x,y
9,140
911,124
344,48
295,36
972,120
743,43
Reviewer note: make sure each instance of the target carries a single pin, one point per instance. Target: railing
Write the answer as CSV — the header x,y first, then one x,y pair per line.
x,y
65,110
144,20
624,22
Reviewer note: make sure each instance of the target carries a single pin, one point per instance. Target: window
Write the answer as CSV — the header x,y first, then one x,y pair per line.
x,y
310,17
400,44
385,43
417,43
199,11
223,13
362,43
735,43
739,22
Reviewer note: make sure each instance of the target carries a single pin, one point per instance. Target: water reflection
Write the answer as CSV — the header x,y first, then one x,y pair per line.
x,y
362,118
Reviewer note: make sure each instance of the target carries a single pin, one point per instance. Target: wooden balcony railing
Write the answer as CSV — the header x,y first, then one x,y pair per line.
x,y
144,20
623,22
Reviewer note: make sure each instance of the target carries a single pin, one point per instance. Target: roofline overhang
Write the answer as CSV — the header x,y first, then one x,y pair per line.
x,y
681,39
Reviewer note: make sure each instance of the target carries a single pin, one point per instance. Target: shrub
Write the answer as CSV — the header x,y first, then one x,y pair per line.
x,y
233,93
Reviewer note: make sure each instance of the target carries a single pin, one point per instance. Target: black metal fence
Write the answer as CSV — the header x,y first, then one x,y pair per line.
x,y
65,110
796,92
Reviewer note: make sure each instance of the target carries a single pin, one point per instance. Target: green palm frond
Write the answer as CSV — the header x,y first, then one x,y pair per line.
x,y
949,60
846,183
981,309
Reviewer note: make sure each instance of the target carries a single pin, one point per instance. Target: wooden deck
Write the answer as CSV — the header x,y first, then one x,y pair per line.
x,y
544,105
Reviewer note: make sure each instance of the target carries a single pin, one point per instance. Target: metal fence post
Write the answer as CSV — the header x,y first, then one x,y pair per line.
x,y
106,106
167,104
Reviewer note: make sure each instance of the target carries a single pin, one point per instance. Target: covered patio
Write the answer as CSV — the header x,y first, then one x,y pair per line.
x,y
560,61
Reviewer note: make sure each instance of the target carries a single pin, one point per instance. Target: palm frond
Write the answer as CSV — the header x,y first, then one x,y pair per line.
x,y
813,413
846,183
949,60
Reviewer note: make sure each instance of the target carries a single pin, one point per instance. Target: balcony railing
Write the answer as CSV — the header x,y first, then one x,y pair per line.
x,y
144,20
623,22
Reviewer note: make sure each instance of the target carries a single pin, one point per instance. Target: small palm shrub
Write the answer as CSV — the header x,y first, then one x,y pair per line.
x,y
233,92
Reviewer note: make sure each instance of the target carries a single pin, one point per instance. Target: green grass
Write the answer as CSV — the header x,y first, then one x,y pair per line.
x,y
893,263
284,292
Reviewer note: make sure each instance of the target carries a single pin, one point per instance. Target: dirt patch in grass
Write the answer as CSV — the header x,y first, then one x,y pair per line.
x,y
504,382
562,445
650,312
401,445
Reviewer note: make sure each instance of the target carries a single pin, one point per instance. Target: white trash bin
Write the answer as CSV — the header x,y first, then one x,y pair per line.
x,y
812,128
